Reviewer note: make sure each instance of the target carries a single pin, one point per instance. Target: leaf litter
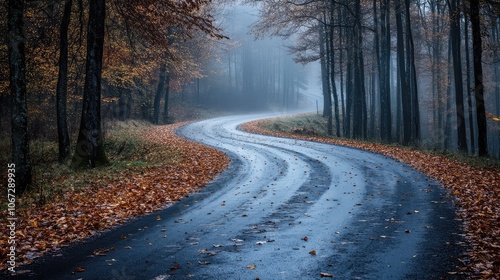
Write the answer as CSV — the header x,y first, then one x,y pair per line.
x,y
82,213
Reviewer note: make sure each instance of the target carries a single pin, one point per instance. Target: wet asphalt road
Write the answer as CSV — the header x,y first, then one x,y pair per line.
x,y
365,216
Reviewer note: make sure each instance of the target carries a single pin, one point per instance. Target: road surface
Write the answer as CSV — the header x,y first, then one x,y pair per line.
x,y
284,209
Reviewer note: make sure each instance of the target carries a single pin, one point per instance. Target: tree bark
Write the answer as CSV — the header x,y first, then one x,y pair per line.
x,y
457,73
62,85
482,139
19,111
349,85
412,79
327,100
384,73
332,71
405,92
159,92
89,151
167,97
359,106
469,87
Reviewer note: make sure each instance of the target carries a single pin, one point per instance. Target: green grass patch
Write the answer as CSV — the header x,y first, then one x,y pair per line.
x,y
304,124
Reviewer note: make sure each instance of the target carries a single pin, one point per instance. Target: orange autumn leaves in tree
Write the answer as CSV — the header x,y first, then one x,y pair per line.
x,y
103,204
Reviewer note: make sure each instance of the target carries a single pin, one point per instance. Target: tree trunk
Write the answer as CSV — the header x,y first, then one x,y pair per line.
x,y
62,85
159,92
359,106
405,92
332,72
19,112
457,73
349,85
399,109
89,151
438,74
167,97
496,71
469,87
412,79
384,73
362,87
447,119
482,140
329,56
327,100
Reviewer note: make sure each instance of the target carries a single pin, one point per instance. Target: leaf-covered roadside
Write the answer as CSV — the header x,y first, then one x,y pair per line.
x,y
79,214
476,192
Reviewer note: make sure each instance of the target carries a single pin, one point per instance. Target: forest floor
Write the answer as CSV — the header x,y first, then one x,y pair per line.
x,y
148,175
474,184
152,168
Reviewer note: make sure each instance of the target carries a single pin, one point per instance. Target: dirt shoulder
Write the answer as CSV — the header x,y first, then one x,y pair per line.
x,y
476,192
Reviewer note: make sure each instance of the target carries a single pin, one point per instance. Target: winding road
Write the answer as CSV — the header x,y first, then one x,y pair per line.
x,y
284,209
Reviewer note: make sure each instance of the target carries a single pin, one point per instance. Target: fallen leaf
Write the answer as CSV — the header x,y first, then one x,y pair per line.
x,y
313,252
251,266
175,267
324,274
102,252
79,269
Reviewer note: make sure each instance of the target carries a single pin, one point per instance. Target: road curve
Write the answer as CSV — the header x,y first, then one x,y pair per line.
x,y
284,209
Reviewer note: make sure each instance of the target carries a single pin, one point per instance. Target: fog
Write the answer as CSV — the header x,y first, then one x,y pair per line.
x,y
256,74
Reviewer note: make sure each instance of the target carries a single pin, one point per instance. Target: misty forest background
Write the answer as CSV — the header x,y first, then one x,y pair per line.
x,y
423,73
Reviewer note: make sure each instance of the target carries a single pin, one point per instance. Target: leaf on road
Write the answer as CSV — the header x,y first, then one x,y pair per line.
x,y
175,267
102,252
324,274
79,269
251,266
